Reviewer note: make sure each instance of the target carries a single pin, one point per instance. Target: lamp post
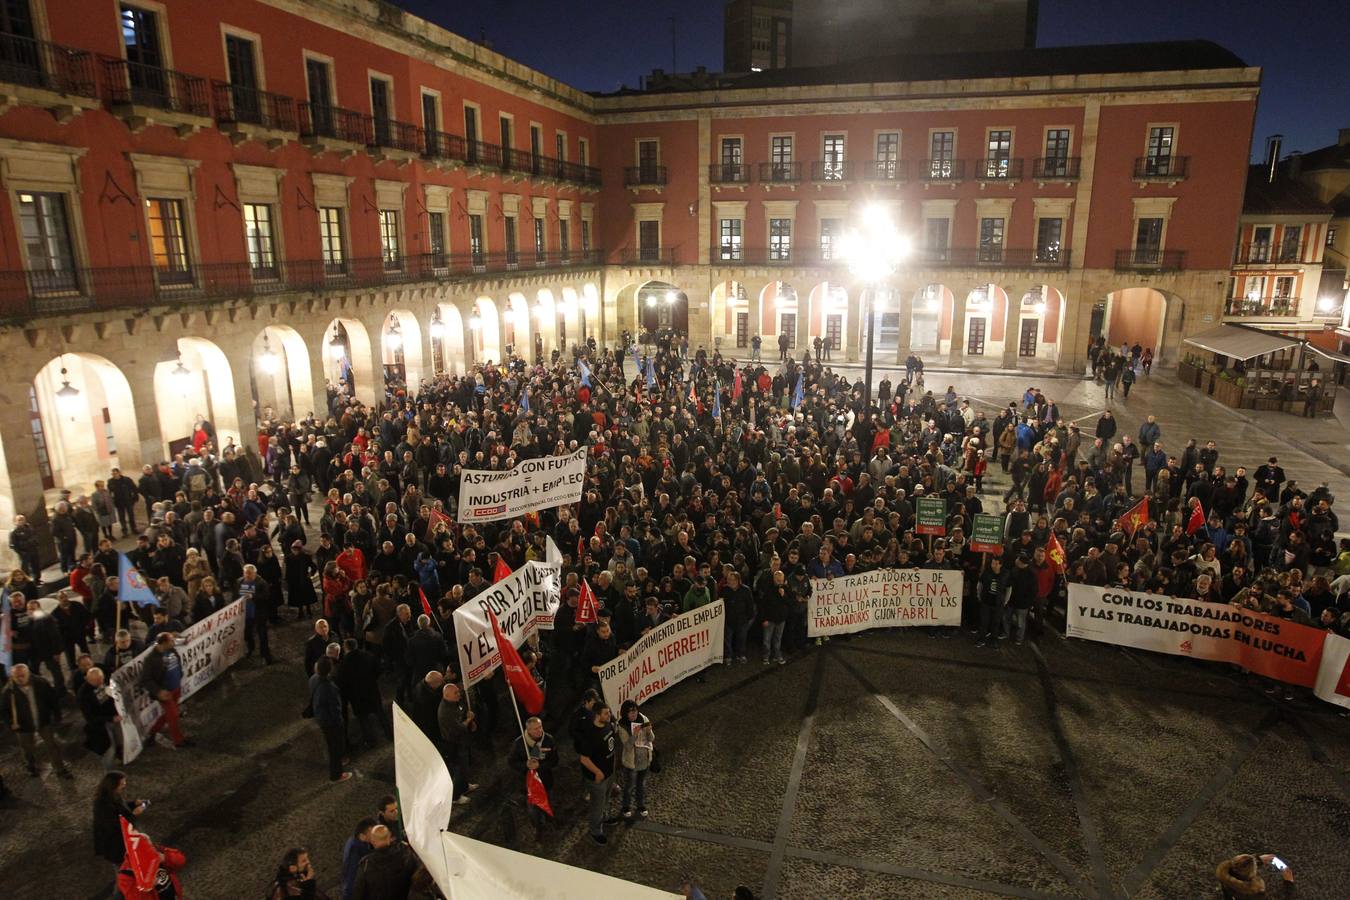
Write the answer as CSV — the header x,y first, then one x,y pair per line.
x,y
873,250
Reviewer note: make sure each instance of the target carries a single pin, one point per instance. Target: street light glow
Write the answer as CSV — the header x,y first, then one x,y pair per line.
x,y
874,248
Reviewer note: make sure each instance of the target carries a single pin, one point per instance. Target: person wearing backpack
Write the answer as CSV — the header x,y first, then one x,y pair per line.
x,y
196,480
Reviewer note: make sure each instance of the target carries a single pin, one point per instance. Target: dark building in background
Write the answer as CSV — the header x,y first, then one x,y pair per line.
x,y
757,35
826,32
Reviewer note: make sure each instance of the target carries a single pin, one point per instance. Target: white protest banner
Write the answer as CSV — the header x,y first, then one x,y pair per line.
x,y
884,598
1266,645
481,871
666,655
426,793
534,484
520,602
205,649
1333,677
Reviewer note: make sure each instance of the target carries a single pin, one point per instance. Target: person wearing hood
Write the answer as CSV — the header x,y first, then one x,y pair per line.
x,y
1250,877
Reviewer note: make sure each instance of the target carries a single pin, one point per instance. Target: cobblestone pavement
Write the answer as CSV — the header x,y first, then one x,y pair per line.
x,y
893,764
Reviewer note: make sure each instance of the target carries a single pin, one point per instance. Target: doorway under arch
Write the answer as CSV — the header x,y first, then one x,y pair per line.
x,y
197,383
68,395
348,360
486,327
281,375
1135,315
401,350
447,339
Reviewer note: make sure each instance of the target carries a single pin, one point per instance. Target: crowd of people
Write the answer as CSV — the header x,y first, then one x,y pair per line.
x,y
707,480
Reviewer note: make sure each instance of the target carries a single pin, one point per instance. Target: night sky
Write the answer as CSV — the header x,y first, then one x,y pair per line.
x,y
601,44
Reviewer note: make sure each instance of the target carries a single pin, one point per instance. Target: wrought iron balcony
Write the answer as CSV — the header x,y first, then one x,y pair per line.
x,y
1161,168
780,172
235,104
1263,307
943,170
943,257
999,169
318,121
49,67
729,173
1057,168
1144,259
26,294
391,134
647,256
438,145
643,176
885,170
836,170
129,83
1264,254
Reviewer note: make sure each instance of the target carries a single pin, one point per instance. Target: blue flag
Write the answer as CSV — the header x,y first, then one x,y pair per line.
x,y
717,400
651,374
524,399
131,586
6,636
585,372
797,395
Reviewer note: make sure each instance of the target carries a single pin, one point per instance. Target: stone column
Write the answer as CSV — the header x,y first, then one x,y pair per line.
x,y
956,352
1012,333
855,350
904,304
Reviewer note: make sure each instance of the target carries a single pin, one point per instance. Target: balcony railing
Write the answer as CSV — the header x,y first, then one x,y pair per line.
x,y
945,257
729,173
51,67
1057,167
439,145
827,170
33,293
1161,168
942,169
249,106
647,256
391,134
641,176
885,170
1145,259
481,153
577,173
1267,306
335,123
999,169
141,85
1258,254
780,172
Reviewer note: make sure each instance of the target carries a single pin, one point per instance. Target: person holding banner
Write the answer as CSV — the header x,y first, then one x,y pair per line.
x,y
163,678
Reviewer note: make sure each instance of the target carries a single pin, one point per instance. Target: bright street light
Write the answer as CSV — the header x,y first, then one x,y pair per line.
x,y
267,360
873,249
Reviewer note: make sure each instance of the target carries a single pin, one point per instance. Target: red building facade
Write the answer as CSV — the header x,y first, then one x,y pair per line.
x,y
219,209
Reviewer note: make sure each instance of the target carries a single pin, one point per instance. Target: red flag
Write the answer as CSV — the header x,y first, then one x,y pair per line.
x,y
437,517
500,570
581,549
142,857
1054,551
736,386
535,792
1197,519
518,677
426,606
1135,517
588,608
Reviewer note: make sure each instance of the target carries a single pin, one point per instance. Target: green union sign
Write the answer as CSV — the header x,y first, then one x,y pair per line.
x,y
932,516
986,535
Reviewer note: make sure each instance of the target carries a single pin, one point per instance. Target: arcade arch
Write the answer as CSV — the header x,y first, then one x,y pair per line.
x,y
69,394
